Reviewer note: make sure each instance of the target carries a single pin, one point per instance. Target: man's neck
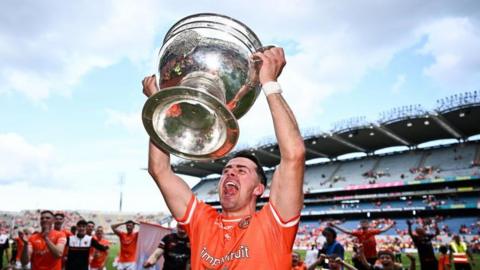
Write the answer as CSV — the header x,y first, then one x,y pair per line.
x,y
245,211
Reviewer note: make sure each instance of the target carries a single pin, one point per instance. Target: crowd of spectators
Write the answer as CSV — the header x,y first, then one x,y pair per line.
x,y
30,219
310,234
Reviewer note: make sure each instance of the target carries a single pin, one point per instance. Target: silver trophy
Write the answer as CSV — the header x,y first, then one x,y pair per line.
x,y
207,79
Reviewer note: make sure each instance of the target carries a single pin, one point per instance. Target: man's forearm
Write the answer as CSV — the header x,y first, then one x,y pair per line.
x,y
175,191
57,252
286,191
24,257
288,135
341,229
115,227
155,256
386,228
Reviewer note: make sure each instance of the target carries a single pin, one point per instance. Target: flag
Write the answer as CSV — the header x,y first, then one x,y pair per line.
x,y
149,237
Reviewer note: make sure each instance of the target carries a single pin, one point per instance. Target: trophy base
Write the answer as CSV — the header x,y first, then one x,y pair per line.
x,y
190,123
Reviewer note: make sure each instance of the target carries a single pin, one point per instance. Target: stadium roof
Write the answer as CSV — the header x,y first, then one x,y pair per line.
x,y
455,117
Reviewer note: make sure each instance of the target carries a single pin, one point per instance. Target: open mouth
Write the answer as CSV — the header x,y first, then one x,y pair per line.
x,y
230,188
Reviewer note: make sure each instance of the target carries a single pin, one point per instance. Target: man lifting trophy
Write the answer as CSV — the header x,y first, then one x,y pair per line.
x,y
210,72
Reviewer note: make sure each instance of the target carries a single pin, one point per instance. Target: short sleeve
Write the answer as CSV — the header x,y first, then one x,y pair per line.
x,y
198,213
163,241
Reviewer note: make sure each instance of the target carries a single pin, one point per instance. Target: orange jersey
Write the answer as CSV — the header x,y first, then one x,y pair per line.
x,y
20,246
128,247
301,266
67,234
42,258
92,250
99,257
259,241
443,261
367,239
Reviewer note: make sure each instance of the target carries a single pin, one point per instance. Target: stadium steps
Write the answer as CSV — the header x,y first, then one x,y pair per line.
x,y
423,159
375,165
477,153
330,179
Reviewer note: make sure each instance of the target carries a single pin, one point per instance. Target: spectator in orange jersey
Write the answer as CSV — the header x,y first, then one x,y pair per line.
x,y
20,246
240,237
45,248
128,245
443,259
58,226
90,227
366,237
297,263
99,257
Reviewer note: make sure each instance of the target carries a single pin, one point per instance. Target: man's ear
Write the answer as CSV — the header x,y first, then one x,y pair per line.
x,y
259,189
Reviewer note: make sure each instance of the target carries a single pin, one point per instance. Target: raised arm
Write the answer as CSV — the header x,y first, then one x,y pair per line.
x,y
387,227
175,191
331,224
115,228
286,192
409,223
411,257
318,262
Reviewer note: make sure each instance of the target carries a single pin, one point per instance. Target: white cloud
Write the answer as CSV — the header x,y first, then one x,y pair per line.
x,y
398,84
46,47
131,121
24,162
453,43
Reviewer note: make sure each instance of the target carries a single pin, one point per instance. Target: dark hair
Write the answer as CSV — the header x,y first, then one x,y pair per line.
x,y
386,252
91,222
129,221
59,214
331,231
254,159
47,212
82,222
443,249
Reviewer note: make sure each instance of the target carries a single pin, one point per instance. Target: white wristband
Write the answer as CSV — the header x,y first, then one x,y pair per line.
x,y
271,88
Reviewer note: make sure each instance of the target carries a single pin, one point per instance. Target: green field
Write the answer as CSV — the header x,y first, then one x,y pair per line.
x,y
114,251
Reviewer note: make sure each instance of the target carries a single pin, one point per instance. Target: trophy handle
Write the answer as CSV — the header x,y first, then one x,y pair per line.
x,y
156,66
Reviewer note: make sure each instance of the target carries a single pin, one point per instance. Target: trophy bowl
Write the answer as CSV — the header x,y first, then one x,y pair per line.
x,y
207,79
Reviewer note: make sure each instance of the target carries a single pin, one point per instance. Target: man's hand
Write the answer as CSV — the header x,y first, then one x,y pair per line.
x,y
410,256
148,264
273,61
149,85
45,233
24,238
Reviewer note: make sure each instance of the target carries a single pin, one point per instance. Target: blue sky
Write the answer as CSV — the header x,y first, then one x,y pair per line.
x,y
70,93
